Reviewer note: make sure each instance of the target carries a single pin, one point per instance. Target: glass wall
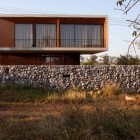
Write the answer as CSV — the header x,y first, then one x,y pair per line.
x,y
46,35
50,59
71,35
37,35
80,35
67,35
23,35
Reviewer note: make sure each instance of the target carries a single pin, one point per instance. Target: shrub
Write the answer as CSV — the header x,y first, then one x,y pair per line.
x,y
111,89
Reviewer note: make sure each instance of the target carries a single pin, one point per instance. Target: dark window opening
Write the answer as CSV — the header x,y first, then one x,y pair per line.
x,y
7,70
66,75
51,59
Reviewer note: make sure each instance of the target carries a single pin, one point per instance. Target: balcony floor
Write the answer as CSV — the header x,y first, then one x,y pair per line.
x,y
89,50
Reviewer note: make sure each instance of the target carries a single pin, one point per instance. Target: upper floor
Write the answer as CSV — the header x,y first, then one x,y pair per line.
x,y
53,33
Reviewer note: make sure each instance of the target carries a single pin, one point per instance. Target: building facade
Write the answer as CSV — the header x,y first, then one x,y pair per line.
x,y
50,39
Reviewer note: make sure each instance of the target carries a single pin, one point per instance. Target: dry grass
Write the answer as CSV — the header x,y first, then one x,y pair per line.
x,y
111,89
45,115
12,93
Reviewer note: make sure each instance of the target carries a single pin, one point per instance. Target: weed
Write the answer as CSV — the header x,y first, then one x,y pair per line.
x,y
111,89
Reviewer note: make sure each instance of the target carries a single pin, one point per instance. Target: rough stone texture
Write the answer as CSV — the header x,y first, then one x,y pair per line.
x,y
65,77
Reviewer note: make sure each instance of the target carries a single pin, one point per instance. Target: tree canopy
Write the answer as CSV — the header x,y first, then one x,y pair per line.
x,y
110,60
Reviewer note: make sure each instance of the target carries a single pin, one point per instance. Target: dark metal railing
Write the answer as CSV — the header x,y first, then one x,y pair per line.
x,y
65,43
80,43
26,43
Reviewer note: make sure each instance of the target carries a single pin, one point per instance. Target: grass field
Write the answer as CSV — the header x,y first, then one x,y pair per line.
x,y
28,113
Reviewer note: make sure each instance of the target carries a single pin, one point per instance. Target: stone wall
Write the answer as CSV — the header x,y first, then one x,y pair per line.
x,y
65,77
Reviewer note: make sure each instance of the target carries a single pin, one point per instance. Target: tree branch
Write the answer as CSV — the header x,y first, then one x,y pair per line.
x,y
132,43
134,21
131,6
127,5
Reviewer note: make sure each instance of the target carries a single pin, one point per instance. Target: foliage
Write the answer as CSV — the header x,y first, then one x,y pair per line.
x,y
111,89
90,61
13,93
101,119
106,120
108,60
95,60
128,60
105,60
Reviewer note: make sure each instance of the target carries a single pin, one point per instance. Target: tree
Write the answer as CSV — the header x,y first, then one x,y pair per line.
x,y
90,61
93,60
128,60
105,60
126,6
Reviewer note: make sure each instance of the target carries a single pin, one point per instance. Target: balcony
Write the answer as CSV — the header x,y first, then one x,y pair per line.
x,y
62,43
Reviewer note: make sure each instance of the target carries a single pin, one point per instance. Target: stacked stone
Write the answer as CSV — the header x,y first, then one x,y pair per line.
x,y
66,77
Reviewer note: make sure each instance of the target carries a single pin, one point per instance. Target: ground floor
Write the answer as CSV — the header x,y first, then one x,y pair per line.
x,y
39,59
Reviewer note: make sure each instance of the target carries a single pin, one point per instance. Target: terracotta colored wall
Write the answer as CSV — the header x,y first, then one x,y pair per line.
x,y
4,59
7,26
7,38
34,20
6,33
34,59
105,34
72,59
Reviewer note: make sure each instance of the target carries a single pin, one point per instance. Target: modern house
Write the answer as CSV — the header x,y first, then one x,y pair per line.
x,y
50,39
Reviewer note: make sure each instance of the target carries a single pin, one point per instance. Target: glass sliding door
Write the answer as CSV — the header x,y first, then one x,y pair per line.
x,y
23,35
81,35
67,35
45,35
89,35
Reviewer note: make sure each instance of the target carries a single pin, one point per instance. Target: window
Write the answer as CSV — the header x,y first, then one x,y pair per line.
x,y
67,35
81,35
23,35
35,35
46,35
51,59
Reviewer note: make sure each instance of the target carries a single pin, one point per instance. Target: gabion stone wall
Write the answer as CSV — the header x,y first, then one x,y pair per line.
x,y
65,77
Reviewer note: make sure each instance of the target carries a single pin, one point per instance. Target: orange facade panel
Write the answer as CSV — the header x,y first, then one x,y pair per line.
x,y
31,20
82,20
105,34
7,26
14,53
6,33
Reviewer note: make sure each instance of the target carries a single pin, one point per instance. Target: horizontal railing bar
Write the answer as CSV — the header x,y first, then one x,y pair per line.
x,y
95,43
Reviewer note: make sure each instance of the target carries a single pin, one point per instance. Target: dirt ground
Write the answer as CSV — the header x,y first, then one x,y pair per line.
x,y
34,111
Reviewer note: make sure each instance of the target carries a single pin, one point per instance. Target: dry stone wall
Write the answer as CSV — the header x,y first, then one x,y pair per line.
x,y
65,77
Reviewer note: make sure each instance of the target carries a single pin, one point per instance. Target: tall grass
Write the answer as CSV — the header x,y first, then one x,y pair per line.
x,y
15,93
107,119
108,122
111,89
12,93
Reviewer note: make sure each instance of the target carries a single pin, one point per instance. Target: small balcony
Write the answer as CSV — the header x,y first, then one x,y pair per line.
x,y
61,43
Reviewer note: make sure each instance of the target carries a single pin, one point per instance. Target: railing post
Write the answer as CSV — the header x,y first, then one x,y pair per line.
x,y
58,33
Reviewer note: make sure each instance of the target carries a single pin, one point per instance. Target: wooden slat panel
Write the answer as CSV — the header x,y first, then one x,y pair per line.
x,y
6,33
35,59
5,59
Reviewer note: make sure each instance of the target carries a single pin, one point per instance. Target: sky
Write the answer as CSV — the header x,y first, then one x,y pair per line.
x,y
119,34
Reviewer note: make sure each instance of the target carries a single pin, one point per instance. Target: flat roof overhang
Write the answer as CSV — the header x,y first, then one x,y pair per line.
x,y
88,50
53,15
